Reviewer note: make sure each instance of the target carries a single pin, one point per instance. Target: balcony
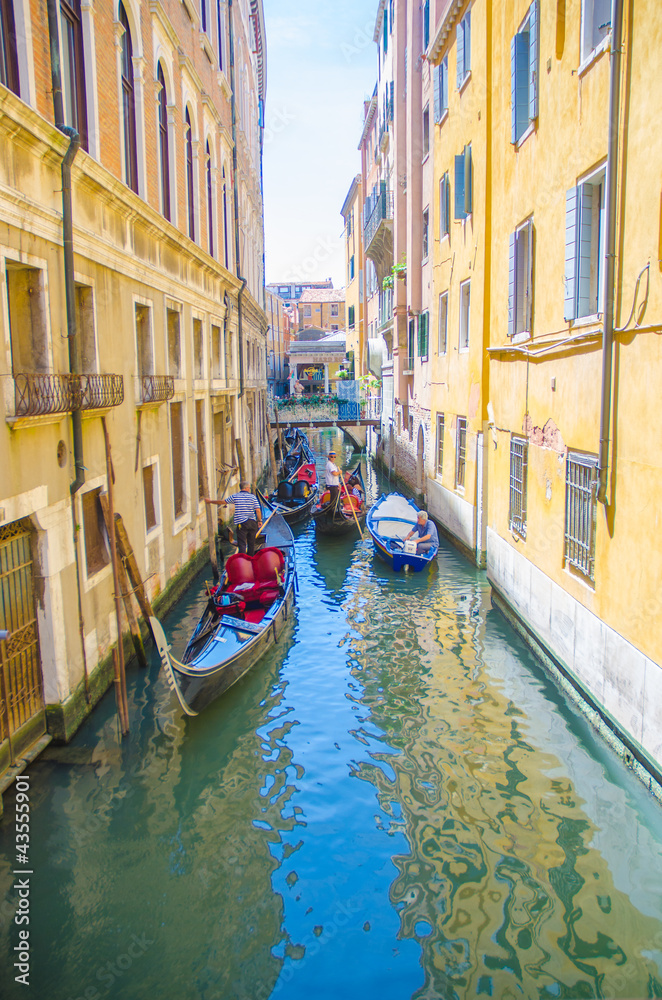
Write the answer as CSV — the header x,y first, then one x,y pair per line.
x,y
378,233
37,395
156,389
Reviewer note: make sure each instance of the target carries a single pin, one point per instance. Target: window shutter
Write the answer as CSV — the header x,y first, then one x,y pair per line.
x,y
459,187
467,42
534,18
442,193
513,89
511,284
385,30
460,52
528,318
437,93
585,205
444,84
467,181
570,307
519,84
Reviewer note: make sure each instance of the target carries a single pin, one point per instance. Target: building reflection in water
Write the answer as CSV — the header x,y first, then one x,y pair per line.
x,y
503,886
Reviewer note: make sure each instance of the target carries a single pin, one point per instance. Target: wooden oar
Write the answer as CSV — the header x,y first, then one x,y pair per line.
x,y
265,523
342,480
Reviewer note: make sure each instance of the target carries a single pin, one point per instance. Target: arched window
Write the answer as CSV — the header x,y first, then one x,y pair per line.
x,y
128,105
163,145
225,222
189,176
210,205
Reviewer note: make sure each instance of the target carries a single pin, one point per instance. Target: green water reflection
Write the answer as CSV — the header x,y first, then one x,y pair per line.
x,y
396,803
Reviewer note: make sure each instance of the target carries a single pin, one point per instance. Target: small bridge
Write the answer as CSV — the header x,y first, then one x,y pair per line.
x,y
348,415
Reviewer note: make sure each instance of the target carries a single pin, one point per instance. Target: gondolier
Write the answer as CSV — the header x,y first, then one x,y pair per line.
x,y
332,477
247,517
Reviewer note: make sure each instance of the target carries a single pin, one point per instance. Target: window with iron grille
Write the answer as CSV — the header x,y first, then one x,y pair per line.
x,y
460,452
519,454
580,512
440,443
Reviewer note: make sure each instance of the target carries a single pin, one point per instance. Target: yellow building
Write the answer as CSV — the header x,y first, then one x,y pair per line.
x,y
152,329
573,549
322,308
355,325
458,56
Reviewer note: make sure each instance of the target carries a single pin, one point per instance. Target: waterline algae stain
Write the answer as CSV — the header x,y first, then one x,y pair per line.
x,y
396,803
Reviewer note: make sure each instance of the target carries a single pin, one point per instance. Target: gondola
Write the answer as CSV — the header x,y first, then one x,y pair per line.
x,y
336,517
295,497
389,521
244,617
298,454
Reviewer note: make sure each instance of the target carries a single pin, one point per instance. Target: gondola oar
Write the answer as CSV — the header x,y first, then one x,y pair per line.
x,y
342,480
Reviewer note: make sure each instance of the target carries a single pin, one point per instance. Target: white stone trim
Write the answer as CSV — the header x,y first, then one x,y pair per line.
x,y
621,679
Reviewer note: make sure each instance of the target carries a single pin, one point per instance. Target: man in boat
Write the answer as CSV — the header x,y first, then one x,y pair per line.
x,y
332,477
427,532
247,517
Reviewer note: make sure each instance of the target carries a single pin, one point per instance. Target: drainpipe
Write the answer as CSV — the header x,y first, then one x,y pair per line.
x,y
610,244
70,297
240,332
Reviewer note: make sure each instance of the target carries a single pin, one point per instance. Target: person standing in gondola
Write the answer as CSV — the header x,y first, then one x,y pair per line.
x,y
247,517
332,477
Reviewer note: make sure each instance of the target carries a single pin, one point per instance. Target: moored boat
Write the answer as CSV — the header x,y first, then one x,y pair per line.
x,y
295,497
337,517
389,521
244,616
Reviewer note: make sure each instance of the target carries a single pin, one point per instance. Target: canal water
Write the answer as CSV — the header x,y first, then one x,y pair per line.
x,y
396,803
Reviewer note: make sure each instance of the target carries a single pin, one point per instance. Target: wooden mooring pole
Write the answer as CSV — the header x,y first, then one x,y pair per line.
x,y
118,653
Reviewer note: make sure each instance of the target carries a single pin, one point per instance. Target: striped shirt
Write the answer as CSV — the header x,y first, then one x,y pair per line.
x,y
245,506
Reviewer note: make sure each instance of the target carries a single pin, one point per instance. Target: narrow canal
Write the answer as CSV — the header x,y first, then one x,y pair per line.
x,y
396,803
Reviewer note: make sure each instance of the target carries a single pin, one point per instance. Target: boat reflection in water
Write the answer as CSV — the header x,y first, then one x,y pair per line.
x,y
174,837
523,864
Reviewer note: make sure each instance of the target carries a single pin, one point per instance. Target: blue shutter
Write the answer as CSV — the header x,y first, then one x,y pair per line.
x,y
426,24
513,89
437,92
460,53
528,311
459,187
512,291
571,220
467,42
385,30
585,306
448,203
444,84
468,192
534,19
519,84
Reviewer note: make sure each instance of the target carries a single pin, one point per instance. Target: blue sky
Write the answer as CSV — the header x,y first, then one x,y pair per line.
x,y
321,65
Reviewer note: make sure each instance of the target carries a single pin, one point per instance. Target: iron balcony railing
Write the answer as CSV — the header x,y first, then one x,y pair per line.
x,y
383,210
99,391
37,395
157,388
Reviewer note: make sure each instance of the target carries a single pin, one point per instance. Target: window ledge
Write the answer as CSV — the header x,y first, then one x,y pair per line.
x,y
153,533
206,46
426,157
424,260
224,84
525,134
443,118
464,83
595,319
521,337
594,55
180,523
463,350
